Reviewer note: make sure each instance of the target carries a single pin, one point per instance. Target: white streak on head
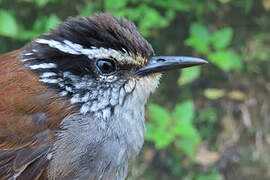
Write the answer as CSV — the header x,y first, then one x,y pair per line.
x,y
48,74
43,66
93,52
99,53
74,46
66,48
27,59
28,54
51,81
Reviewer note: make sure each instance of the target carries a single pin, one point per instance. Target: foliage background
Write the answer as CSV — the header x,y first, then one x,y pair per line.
x,y
209,122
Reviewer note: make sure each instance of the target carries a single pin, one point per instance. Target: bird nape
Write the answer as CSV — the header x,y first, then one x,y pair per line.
x,y
72,102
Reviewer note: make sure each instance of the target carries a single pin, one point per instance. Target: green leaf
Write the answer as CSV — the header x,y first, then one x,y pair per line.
x,y
222,38
213,175
188,145
226,60
159,115
189,74
88,10
8,24
52,22
41,25
212,93
27,34
184,114
45,24
263,56
184,128
112,4
173,4
205,121
158,135
42,3
149,18
224,1
199,38
208,115
163,138
150,131
184,111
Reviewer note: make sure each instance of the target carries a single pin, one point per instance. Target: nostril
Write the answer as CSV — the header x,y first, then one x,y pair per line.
x,y
160,60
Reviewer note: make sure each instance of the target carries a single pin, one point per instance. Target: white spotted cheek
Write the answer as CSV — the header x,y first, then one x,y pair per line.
x,y
111,78
139,89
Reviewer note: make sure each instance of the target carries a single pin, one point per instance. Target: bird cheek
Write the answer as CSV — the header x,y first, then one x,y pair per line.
x,y
111,78
144,86
129,86
150,82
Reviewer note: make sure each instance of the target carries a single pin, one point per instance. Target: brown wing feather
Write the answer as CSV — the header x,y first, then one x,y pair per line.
x,y
28,161
30,113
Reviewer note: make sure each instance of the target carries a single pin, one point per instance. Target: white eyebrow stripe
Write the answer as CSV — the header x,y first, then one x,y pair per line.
x,y
76,47
28,54
66,48
94,52
51,81
48,74
43,66
27,59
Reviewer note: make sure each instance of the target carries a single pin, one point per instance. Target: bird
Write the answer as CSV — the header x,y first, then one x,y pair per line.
x,y
72,101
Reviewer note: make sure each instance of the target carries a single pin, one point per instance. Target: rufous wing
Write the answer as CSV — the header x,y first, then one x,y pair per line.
x,y
30,114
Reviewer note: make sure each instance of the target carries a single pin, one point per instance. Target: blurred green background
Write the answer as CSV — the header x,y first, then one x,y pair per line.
x,y
203,123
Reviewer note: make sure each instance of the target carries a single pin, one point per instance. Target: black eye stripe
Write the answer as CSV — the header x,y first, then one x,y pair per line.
x,y
106,66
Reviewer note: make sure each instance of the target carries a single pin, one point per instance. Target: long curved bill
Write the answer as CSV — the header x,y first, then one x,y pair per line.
x,y
165,63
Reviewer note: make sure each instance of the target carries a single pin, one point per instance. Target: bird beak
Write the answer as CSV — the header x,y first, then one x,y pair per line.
x,y
164,63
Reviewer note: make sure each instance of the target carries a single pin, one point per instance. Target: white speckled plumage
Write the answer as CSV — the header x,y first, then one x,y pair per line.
x,y
125,129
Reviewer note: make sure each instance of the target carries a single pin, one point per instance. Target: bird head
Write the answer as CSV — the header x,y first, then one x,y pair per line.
x,y
98,62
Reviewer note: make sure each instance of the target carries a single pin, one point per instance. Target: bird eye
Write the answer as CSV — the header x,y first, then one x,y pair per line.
x,y
106,66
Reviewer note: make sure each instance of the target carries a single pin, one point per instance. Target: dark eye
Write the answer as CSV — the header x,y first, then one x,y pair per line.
x,y
106,66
